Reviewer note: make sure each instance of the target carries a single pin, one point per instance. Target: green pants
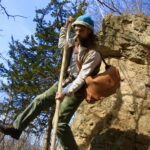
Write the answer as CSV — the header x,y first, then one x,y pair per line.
x,y
67,109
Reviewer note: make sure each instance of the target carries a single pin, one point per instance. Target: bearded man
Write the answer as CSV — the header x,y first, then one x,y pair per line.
x,y
83,60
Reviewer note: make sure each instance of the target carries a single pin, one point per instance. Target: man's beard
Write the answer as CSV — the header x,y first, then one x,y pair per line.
x,y
83,41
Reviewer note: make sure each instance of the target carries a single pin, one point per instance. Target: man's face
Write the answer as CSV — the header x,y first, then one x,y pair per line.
x,y
82,32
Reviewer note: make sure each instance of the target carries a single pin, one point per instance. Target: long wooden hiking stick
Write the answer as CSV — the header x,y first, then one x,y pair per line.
x,y
56,115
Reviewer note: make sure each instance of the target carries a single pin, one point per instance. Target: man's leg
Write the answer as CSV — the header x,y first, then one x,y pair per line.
x,y
41,102
68,107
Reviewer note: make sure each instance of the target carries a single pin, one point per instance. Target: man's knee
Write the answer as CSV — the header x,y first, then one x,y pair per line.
x,y
48,94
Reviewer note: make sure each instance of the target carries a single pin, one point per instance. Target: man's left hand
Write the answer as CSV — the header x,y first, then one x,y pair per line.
x,y
59,96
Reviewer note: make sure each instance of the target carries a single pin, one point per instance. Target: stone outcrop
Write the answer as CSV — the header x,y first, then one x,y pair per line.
x,y
127,36
121,121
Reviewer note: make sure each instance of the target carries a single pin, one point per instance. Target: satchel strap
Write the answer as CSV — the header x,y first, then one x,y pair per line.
x,y
106,64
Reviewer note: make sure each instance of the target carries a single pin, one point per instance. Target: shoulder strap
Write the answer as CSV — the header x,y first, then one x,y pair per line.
x,y
106,64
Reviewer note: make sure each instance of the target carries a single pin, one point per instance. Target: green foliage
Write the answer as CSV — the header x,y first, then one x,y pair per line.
x,y
34,64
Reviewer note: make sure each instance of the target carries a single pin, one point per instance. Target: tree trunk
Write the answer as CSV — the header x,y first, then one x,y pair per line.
x,y
46,140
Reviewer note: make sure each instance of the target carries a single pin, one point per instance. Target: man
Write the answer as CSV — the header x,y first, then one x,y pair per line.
x,y
83,60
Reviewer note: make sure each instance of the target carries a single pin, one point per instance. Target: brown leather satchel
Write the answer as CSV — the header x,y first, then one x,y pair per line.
x,y
103,84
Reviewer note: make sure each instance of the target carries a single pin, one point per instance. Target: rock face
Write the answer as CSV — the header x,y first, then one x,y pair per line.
x,y
121,121
127,36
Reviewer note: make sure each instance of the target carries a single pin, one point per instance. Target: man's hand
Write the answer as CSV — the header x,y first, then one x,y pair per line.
x,y
70,19
59,96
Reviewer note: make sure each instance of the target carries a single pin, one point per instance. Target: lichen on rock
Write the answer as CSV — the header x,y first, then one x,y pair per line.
x,y
121,121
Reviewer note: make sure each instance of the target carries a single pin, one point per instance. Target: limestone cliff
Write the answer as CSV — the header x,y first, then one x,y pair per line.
x,y
121,121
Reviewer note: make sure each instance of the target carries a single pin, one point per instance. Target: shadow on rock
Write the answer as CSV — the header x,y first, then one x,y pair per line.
x,y
114,139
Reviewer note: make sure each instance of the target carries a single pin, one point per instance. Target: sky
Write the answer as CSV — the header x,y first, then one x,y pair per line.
x,y
20,27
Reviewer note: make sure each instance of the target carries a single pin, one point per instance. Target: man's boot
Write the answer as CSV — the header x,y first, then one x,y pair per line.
x,y
10,130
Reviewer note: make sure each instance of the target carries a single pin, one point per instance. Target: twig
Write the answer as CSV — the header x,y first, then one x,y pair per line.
x,y
2,138
106,5
1,56
9,15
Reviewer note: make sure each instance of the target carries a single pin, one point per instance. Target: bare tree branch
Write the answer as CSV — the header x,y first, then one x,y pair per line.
x,y
3,9
2,138
1,56
114,9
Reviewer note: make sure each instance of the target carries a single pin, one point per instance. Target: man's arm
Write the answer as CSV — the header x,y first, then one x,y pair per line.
x,y
91,62
61,44
63,32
